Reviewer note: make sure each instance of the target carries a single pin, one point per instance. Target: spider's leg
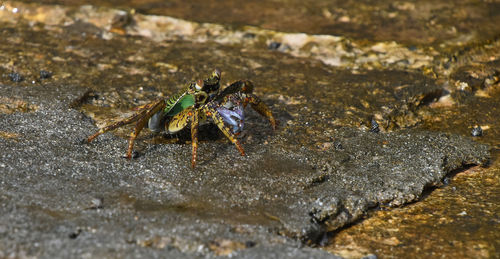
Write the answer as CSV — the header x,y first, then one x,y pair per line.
x,y
218,120
142,121
260,107
135,117
243,86
194,134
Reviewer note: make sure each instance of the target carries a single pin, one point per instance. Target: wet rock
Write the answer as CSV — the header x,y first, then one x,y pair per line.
x,y
285,251
283,194
10,105
408,22
161,193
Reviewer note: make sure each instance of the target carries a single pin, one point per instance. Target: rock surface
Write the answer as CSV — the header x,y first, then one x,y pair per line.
x,y
49,181
322,170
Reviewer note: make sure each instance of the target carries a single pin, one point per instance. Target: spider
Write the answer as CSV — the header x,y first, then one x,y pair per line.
x,y
197,103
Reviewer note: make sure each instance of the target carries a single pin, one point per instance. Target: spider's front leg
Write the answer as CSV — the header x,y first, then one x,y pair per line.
x,y
142,117
260,107
135,117
244,88
152,110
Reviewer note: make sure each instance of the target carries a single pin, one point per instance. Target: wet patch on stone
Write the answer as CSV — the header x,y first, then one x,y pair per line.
x,y
9,135
11,105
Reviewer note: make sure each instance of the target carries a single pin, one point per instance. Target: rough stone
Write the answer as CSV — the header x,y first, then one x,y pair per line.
x,y
320,171
49,179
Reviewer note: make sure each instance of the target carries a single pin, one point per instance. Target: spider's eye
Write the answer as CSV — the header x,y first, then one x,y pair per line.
x,y
199,85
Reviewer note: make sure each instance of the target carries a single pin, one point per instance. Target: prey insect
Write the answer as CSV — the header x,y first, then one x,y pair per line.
x,y
199,102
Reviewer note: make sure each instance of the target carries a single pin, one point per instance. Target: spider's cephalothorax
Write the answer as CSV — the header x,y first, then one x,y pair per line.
x,y
195,104
196,94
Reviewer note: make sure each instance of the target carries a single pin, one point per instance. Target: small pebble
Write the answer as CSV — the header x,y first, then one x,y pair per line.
x,y
75,234
96,203
44,74
274,45
16,77
337,145
477,131
249,244
374,128
135,154
249,35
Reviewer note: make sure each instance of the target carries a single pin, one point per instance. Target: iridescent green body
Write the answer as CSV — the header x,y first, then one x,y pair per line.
x,y
174,105
178,103
195,94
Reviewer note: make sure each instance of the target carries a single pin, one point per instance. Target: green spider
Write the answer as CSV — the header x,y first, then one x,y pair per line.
x,y
191,107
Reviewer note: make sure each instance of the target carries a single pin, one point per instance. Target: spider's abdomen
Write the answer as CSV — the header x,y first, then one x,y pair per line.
x,y
156,122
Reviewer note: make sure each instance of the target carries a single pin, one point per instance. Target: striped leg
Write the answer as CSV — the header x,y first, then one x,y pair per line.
x,y
137,116
194,134
211,112
142,121
260,107
245,89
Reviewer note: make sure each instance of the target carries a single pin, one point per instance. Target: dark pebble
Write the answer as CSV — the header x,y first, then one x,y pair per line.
x,y
44,74
477,131
274,45
75,234
249,35
374,128
135,154
337,145
446,181
16,77
249,244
